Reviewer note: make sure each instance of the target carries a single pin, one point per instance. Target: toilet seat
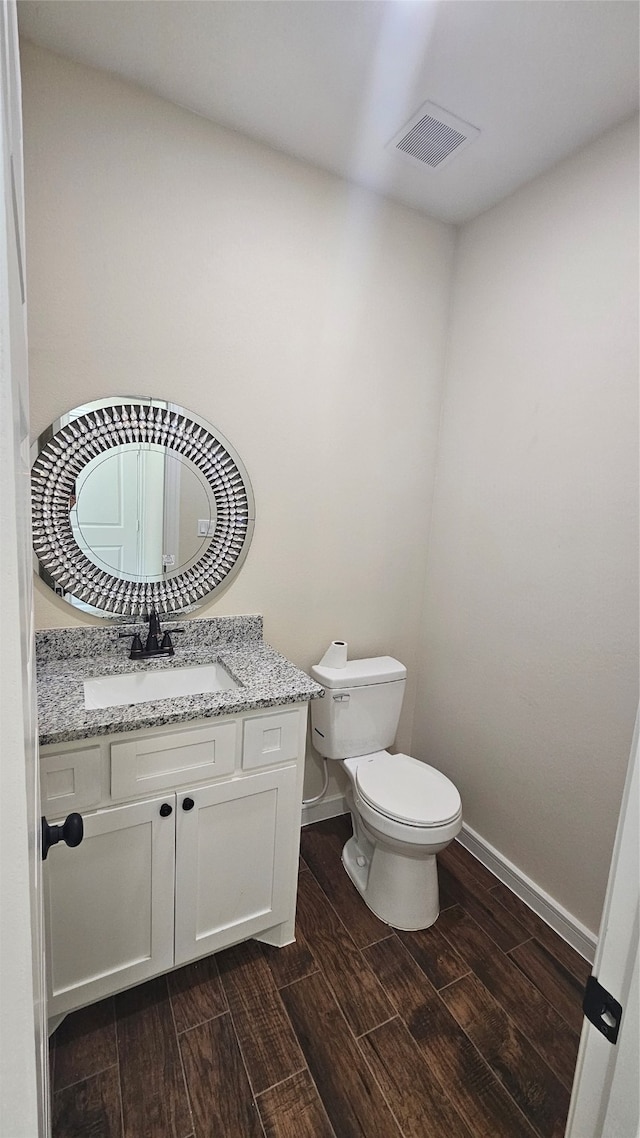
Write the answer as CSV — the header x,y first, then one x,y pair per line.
x,y
405,790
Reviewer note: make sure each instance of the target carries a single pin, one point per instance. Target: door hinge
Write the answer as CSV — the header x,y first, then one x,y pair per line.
x,y
601,1009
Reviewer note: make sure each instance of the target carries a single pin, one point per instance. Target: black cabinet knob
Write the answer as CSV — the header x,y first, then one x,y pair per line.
x,y
71,832
165,810
188,804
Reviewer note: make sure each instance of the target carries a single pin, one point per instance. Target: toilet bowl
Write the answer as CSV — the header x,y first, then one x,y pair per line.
x,y
403,811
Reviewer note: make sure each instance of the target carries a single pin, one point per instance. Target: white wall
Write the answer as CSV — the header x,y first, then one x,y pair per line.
x,y
528,681
304,319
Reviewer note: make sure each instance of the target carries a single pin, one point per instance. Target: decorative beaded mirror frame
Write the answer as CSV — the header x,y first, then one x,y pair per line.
x,y
63,451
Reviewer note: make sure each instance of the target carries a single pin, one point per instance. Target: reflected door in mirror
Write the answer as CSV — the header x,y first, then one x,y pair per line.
x,y
141,511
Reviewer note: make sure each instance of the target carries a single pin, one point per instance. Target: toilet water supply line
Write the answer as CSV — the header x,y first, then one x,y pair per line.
x,y
310,801
334,657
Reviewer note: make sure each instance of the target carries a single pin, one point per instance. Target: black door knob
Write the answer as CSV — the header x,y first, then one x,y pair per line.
x,y
165,810
188,804
71,832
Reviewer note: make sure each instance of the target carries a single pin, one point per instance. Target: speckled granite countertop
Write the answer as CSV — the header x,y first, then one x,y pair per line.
x,y
68,656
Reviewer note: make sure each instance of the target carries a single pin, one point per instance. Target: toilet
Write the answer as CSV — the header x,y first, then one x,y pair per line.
x,y
403,811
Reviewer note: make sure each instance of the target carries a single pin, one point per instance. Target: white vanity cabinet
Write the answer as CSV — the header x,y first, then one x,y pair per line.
x,y
191,840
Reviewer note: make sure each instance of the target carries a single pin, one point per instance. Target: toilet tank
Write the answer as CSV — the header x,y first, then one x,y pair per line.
x,y
360,709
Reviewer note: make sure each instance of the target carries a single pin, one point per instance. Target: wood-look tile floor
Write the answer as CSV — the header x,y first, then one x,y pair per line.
x,y
466,1030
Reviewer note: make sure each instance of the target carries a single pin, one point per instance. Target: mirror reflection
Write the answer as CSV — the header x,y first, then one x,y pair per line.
x,y
142,511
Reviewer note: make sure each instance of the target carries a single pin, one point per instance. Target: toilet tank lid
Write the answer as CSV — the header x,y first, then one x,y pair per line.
x,y
357,673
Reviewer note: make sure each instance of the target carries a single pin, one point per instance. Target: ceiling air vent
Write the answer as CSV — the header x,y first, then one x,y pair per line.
x,y
433,137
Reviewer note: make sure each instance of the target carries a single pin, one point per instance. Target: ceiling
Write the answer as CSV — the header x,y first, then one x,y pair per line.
x,y
333,81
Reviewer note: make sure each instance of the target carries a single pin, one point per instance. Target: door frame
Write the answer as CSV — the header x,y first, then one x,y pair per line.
x,y
605,1099
24,1071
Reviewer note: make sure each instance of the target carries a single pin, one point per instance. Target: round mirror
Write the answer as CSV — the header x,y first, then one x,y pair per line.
x,y
138,504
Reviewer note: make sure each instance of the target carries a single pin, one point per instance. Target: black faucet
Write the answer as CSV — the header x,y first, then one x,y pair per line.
x,y
153,646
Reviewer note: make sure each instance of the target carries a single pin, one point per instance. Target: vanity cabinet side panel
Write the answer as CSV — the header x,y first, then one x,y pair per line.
x,y
285,932
109,904
233,862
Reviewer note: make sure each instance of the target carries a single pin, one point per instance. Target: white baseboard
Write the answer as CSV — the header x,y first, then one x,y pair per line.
x,y
326,808
551,911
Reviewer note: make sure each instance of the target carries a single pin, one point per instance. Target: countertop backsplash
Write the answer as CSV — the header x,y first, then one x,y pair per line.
x,y
70,643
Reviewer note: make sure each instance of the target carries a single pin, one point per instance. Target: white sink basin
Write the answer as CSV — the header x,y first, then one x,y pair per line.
x,y
140,687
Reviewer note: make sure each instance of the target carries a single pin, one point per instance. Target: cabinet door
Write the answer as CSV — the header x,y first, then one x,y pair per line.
x,y
236,858
109,904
